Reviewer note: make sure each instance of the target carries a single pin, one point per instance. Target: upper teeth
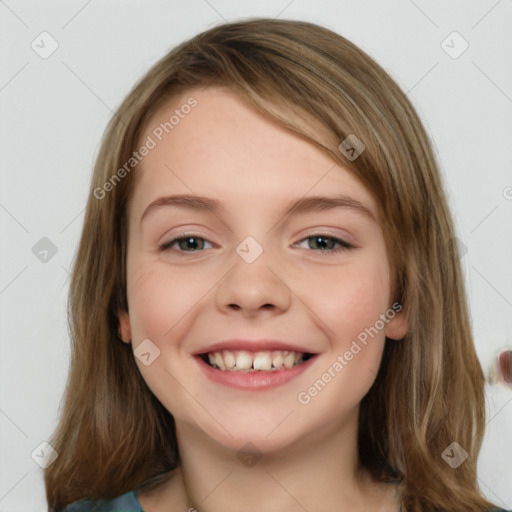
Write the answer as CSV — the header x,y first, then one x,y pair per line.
x,y
245,360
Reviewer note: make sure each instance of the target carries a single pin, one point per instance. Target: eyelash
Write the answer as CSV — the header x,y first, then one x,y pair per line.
x,y
345,246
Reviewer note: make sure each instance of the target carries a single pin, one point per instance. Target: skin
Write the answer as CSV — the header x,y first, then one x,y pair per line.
x,y
294,291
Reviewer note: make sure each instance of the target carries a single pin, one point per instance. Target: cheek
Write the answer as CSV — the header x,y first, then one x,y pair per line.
x,y
160,300
151,303
349,299
161,307
351,307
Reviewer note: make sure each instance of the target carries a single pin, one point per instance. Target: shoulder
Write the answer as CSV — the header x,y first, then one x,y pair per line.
x,y
125,503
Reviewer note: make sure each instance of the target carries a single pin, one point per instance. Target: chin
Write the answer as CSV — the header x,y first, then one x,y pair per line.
x,y
243,434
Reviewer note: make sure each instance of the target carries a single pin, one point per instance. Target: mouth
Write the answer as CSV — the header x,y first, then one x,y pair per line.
x,y
251,362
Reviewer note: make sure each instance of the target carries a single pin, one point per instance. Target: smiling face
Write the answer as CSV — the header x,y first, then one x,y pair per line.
x,y
234,266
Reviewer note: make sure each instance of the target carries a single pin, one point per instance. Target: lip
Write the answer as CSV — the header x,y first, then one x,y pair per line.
x,y
252,346
255,380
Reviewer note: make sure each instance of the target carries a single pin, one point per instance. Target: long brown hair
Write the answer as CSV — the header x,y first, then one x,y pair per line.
x,y
115,436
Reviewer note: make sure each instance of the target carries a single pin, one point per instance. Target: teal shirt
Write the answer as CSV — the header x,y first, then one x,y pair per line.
x,y
128,502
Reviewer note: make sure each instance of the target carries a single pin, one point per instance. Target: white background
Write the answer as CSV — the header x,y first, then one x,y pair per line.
x,y
54,111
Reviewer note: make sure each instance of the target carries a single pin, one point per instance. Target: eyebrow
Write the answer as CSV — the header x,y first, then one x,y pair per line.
x,y
303,205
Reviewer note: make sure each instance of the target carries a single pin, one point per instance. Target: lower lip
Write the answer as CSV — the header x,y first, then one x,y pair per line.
x,y
254,380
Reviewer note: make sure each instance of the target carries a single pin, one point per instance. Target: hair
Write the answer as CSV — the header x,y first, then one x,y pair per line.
x,y
114,435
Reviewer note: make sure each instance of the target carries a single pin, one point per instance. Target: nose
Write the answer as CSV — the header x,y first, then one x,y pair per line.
x,y
253,286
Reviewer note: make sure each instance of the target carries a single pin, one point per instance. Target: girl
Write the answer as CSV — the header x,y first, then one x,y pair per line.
x,y
266,307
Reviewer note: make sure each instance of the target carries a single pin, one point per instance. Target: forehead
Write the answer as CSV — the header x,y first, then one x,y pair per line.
x,y
210,142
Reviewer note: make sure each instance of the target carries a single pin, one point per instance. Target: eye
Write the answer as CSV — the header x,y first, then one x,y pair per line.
x,y
187,242
325,243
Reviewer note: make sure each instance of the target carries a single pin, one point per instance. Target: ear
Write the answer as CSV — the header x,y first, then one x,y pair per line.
x,y
396,327
124,328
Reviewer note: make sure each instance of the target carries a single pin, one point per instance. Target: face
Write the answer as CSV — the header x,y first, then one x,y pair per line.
x,y
298,301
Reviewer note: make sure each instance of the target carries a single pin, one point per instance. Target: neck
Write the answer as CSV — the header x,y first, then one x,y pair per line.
x,y
316,473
